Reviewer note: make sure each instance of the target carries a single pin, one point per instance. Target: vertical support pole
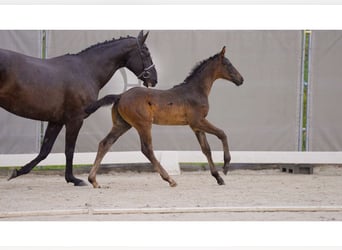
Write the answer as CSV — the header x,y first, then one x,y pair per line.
x,y
308,94
301,93
304,93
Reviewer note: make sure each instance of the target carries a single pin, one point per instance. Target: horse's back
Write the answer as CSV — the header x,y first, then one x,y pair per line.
x,y
38,88
7,58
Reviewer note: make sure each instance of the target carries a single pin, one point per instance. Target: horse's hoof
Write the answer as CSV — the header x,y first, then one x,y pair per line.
x,y
225,170
13,175
80,183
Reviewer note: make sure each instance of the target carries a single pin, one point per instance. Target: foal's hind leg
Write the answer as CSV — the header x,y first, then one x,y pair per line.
x,y
103,148
147,150
50,136
202,139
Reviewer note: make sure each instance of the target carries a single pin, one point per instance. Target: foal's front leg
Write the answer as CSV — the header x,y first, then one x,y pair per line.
x,y
202,139
206,126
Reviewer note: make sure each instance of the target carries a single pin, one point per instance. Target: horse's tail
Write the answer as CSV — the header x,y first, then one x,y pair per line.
x,y
107,100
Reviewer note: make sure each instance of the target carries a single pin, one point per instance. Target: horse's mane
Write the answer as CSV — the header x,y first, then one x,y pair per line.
x,y
198,68
103,43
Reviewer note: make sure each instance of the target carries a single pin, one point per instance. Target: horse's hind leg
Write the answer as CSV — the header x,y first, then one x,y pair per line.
x,y
50,136
103,148
147,150
202,139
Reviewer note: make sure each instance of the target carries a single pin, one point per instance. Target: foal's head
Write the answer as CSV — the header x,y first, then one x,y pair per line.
x,y
226,69
140,62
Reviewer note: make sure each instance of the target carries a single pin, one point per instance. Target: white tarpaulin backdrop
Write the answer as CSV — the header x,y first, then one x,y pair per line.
x,y
262,114
325,117
19,135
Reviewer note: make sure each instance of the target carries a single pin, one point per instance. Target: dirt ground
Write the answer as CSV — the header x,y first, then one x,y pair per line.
x,y
286,197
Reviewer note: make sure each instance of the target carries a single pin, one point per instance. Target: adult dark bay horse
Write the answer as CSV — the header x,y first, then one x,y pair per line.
x,y
59,89
185,104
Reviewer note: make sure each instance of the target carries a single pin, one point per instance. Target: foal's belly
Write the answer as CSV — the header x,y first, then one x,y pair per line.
x,y
167,115
161,107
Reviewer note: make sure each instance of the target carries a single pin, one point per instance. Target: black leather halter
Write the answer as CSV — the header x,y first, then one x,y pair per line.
x,y
145,74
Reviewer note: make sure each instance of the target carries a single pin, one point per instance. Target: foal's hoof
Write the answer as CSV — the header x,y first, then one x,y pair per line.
x,y
13,175
220,181
95,185
173,184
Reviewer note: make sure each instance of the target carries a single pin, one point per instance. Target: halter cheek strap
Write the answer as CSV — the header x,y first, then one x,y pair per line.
x,y
145,73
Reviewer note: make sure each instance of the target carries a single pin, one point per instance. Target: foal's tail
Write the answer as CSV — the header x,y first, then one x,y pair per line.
x,y
107,100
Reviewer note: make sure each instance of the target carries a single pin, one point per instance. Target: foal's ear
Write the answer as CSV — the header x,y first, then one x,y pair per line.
x,y
223,51
142,37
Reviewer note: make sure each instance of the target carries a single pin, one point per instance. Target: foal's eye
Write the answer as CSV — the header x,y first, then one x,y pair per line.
x,y
226,62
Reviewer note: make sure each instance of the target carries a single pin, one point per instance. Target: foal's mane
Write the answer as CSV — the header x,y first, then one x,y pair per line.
x,y
103,43
198,68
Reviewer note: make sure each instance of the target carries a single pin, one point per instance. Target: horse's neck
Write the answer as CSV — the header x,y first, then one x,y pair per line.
x,y
105,59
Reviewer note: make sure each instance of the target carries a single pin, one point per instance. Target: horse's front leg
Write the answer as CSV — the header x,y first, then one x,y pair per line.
x,y
202,139
72,129
207,127
50,136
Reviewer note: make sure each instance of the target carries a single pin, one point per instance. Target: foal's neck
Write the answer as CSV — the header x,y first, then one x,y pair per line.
x,y
205,80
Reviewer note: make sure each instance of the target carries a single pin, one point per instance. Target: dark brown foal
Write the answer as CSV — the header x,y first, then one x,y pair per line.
x,y
185,104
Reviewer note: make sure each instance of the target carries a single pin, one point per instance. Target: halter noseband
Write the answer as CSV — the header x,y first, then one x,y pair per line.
x,y
145,73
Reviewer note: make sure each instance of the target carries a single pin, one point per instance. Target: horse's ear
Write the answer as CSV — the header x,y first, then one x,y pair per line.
x,y
142,37
145,36
223,51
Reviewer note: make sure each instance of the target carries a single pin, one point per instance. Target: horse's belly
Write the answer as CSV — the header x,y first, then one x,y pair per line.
x,y
31,110
32,114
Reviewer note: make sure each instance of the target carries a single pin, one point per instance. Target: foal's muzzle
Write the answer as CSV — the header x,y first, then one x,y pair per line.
x,y
238,81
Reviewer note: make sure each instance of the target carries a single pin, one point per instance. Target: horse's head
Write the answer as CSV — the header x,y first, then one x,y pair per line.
x,y
140,62
227,70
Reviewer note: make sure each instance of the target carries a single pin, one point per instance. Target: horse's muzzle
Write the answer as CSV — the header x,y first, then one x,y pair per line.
x,y
150,83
